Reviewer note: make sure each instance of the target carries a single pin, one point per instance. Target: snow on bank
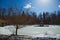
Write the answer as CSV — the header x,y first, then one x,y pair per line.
x,y
12,28
51,31
32,30
4,31
7,30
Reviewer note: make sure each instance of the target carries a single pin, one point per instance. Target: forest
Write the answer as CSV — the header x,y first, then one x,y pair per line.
x,y
11,17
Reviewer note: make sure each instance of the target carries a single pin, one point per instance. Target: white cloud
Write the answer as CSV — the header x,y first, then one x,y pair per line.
x,y
27,6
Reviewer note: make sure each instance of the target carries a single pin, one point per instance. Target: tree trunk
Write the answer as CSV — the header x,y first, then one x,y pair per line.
x,y
16,29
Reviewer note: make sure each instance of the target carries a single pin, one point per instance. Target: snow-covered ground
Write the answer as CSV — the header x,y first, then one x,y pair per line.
x,y
4,31
51,31
12,28
32,30
7,30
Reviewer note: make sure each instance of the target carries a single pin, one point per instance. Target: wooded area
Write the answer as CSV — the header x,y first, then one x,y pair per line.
x,y
10,17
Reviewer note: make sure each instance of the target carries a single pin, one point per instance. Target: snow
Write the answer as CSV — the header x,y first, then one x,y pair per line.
x,y
50,31
12,28
7,30
55,29
39,35
4,31
32,30
58,36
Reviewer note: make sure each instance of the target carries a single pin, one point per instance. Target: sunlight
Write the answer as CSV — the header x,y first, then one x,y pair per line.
x,y
59,6
44,2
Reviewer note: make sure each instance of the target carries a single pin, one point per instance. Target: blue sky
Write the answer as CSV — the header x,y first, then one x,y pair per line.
x,y
32,5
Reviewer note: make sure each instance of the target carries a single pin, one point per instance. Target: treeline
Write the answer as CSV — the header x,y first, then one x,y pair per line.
x,y
11,17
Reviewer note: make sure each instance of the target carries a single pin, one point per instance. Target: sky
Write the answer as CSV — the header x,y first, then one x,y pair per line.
x,y
32,5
